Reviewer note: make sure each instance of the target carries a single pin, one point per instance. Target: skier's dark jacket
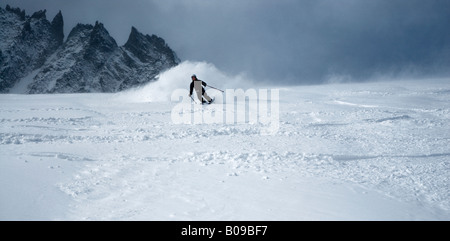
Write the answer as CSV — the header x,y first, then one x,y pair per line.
x,y
192,86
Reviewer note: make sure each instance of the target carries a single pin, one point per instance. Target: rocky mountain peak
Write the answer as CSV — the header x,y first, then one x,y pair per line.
x,y
35,59
149,48
27,42
17,11
40,14
58,27
101,40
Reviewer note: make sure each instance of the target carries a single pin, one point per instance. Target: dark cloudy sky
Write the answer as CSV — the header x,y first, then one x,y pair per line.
x,y
301,41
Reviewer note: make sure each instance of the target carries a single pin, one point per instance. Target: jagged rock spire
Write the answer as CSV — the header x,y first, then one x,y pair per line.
x,y
149,48
58,27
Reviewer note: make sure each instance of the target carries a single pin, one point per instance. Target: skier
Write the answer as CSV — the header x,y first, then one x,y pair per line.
x,y
198,86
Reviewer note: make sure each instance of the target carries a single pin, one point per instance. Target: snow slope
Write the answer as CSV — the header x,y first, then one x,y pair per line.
x,y
370,151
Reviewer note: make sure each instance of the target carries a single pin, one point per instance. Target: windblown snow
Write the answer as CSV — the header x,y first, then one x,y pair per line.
x,y
367,151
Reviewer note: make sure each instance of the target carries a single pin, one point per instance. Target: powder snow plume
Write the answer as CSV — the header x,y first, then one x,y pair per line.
x,y
179,77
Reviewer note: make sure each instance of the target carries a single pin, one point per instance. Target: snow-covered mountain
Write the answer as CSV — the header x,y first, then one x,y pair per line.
x,y
34,58
26,43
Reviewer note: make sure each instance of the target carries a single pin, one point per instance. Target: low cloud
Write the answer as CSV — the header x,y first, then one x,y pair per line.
x,y
285,41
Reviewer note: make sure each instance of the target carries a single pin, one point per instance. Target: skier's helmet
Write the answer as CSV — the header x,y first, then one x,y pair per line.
x,y
194,76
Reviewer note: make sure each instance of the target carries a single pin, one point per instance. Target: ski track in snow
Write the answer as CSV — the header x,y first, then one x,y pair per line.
x,y
114,160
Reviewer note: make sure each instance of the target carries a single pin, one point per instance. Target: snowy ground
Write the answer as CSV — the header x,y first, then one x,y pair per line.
x,y
373,151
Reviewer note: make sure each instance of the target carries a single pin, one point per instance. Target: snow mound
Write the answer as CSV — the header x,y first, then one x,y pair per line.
x,y
179,77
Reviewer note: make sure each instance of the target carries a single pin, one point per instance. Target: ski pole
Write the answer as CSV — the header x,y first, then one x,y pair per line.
x,y
215,88
193,99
